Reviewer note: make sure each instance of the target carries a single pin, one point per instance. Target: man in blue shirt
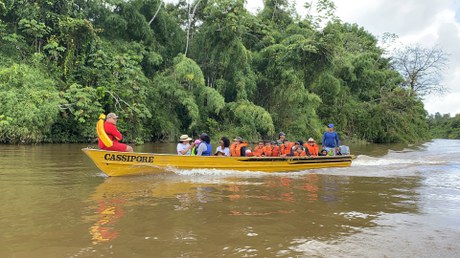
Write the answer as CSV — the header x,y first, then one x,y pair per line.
x,y
330,139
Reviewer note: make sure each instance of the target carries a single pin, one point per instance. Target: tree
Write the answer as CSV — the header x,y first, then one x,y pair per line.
x,y
220,51
277,13
444,126
365,99
80,108
28,106
324,12
194,66
421,68
181,101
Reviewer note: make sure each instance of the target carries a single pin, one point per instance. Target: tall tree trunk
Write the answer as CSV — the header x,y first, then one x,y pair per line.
x,y
190,17
156,13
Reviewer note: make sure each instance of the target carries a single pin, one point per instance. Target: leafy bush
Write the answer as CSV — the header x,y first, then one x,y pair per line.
x,y
29,106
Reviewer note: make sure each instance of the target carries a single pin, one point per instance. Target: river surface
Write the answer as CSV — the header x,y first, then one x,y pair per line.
x,y
394,201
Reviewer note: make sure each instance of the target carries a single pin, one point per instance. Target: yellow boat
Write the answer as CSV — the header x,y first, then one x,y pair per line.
x,y
115,163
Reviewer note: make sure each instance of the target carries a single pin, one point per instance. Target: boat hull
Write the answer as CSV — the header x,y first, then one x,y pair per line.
x,y
115,163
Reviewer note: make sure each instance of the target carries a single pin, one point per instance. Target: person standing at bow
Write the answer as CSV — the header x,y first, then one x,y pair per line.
x,y
281,139
110,128
330,139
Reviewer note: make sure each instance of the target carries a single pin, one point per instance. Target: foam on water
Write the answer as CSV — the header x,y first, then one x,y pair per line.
x,y
363,160
232,173
213,172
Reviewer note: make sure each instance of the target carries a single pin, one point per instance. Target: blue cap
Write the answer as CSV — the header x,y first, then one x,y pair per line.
x,y
330,126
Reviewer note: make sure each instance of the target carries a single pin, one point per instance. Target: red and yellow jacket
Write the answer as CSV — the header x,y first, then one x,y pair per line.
x,y
112,132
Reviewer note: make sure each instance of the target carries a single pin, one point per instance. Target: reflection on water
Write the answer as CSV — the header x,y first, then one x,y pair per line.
x,y
109,211
393,201
279,209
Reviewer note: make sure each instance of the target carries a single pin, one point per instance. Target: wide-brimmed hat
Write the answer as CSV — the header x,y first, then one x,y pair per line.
x,y
281,133
185,138
311,140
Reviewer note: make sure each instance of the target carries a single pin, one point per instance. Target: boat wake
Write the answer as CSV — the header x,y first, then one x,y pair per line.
x,y
232,173
363,160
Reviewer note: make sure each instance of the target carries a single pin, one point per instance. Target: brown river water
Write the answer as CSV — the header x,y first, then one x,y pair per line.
x,y
394,201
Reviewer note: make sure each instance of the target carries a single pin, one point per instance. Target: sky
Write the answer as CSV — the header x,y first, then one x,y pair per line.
x,y
425,22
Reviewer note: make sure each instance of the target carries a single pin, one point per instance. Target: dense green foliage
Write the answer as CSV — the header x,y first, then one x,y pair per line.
x,y
444,126
62,63
28,98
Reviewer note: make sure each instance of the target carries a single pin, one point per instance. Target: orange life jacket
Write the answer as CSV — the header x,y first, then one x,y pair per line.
x,y
275,151
286,150
258,151
235,149
302,154
313,150
268,151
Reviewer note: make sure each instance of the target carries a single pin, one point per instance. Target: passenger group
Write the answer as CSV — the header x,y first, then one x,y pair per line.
x,y
202,146
279,148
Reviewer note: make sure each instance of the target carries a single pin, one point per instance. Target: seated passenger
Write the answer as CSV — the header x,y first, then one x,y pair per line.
x,y
268,149
275,150
338,151
299,143
286,149
195,145
299,151
312,147
259,149
223,149
205,148
184,147
271,149
238,147
323,152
